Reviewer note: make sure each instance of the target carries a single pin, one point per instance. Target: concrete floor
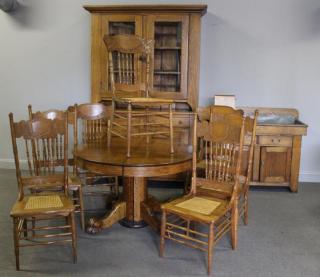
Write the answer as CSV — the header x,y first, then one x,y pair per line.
x,y
282,239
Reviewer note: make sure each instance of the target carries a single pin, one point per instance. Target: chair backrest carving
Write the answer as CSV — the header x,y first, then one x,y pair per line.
x,y
129,58
92,122
215,113
219,145
43,144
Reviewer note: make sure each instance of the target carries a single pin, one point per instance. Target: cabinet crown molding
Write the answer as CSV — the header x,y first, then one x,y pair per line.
x,y
202,9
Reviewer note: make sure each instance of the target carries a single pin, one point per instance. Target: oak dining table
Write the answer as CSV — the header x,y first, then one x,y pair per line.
x,y
135,207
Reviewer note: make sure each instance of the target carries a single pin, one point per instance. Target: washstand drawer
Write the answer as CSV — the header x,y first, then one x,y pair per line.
x,y
275,140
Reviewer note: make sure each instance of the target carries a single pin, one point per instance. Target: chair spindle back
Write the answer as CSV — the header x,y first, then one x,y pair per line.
x,y
45,147
93,121
129,56
220,147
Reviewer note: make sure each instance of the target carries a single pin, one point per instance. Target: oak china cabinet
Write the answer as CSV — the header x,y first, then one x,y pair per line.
x,y
175,30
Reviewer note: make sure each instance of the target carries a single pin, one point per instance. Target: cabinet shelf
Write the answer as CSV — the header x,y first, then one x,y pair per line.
x,y
165,34
167,72
167,48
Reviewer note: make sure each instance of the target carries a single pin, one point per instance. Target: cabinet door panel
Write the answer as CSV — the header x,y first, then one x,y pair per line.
x,y
275,164
114,25
169,67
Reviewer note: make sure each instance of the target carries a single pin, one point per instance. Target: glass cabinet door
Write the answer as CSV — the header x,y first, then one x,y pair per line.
x,y
169,66
116,25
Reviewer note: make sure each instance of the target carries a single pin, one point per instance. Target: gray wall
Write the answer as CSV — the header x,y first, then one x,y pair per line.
x,y
267,53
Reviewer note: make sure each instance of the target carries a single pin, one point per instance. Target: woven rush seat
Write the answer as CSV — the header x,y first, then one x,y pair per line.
x,y
42,203
204,208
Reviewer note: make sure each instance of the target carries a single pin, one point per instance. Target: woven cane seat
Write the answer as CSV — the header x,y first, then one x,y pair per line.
x,y
43,202
199,205
146,100
200,208
33,204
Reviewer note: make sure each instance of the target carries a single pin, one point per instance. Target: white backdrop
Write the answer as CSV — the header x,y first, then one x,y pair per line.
x,y
266,52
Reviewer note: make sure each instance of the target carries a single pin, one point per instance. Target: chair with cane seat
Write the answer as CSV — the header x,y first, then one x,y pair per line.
x,y
216,113
92,121
223,144
135,112
74,181
43,143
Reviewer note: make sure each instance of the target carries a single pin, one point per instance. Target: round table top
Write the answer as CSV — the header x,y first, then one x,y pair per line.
x,y
146,160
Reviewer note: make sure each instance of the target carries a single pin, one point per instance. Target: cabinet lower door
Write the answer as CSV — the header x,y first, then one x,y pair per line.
x,y
275,164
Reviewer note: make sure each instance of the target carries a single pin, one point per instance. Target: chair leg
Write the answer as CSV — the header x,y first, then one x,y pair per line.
x,y
25,227
246,206
162,233
16,241
116,184
210,247
187,182
110,123
74,237
147,126
33,220
171,129
234,225
129,130
80,197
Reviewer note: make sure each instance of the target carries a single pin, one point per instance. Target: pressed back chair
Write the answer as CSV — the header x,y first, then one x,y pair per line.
x,y
129,69
43,143
75,184
223,145
216,114
92,125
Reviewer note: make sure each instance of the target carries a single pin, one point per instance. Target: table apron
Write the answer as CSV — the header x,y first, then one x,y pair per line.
x,y
134,171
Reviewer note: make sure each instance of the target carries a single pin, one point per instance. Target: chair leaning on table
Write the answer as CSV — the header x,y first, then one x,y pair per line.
x,y
46,147
92,121
129,69
216,113
74,182
224,141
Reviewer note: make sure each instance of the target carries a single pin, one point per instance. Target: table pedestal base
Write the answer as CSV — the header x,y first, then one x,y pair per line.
x,y
133,224
97,225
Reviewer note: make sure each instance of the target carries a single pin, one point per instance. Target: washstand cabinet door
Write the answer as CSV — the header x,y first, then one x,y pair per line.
x,y
275,164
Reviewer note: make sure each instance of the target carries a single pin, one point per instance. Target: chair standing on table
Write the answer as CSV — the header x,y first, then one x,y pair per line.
x,y
129,69
223,143
45,146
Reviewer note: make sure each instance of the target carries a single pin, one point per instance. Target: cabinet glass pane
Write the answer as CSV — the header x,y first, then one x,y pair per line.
x,y
121,28
167,56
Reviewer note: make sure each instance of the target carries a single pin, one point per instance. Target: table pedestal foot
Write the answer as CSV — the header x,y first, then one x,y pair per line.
x,y
132,224
118,212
